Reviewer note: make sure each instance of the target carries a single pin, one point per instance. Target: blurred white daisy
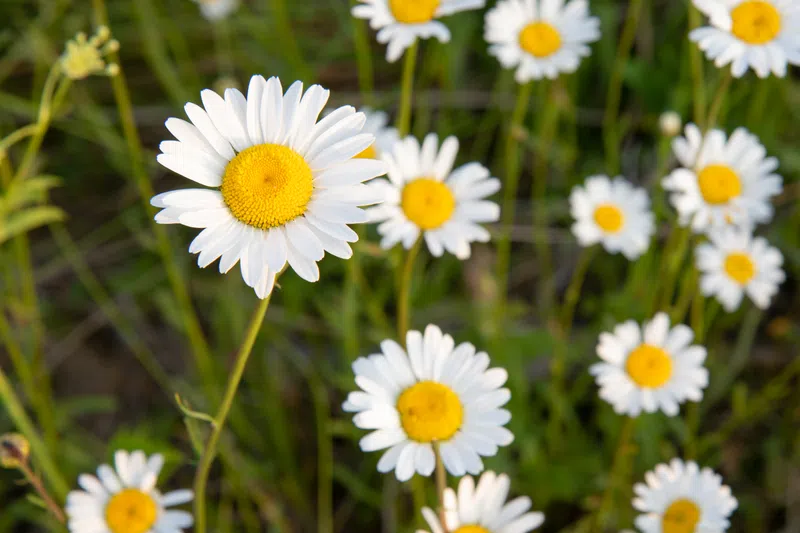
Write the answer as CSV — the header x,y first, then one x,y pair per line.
x,y
401,22
757,34
217,9
540,38
433,392
385,136
425,195
125,499
650,368
682,498
283,186
614,213
483,509
734,263
723,180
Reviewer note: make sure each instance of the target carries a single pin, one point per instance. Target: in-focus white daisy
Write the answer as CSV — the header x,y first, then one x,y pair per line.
x,y
124,499
217,9
540,38
385,136
650,368
757,34
723,181
682,498
483,509
433,392
734,263
614,213
283,186
401,22
424,195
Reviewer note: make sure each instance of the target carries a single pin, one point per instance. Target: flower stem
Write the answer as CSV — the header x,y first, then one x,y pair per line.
x,y
441,485
366,77
719,98
210,452
404,291
37,484
574,288
283,28
696,60
407,90
616,475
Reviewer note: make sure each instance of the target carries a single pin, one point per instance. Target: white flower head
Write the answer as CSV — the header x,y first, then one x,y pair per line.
x,y
614,213
424,195
431,392
282,186
757,34
214,10
401,22
722,181
124,499
540,38
679,497
483,509
650,368
386,136
734,263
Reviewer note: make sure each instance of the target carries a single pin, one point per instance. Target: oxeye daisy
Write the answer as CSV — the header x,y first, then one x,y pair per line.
x,y
681,498
124,499
483,509
217,9
650,368
433,392
282,186
401,22
723,180
734,263
540,38
757,34
614,213
423,195
377,124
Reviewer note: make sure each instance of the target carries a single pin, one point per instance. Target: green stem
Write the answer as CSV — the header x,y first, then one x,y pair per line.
x,y
210,452
693,411
616,474
41,490
366,76
325,458
719,98
289,47
687,295
574,288
407,90
698,79
404,291
222,47
16,136
441,484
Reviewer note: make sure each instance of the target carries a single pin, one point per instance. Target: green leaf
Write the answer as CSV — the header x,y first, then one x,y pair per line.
x,y
28,220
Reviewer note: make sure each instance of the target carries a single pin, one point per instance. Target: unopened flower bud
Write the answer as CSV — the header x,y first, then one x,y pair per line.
x,y
670,123
14,450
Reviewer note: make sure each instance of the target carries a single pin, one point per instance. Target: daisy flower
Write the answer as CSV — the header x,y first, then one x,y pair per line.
x,y
423,195
377,124
282,186
650,368
681,498
540,38
757,34
214,10
483,509
432,393
614,213
723,180
401,22
124,499
734,263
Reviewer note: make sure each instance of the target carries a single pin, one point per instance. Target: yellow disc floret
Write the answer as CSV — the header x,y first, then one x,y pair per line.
x,y
740,267
267,185
649,366
472,529
428,203
756,22
430,411
681,516
414,11
369,153
131,511
719,184
609,217
540,39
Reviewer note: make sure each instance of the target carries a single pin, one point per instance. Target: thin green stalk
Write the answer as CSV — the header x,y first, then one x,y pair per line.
x,y
222,47
719,98
687,295
325,458
618,468
366,76
574,288
404,291
407,90
41,490
289,47
723,380
441,485
693,411
671,261
42,122
16,136
210,452
20,364
698,78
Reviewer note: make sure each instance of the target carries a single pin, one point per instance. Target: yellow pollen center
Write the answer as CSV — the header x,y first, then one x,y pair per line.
x,y
369,153
756,22
430,411
427,203
540,39
472,529
649,366
267,185
414,11
131,511
740,268
681,516
609,218
719,184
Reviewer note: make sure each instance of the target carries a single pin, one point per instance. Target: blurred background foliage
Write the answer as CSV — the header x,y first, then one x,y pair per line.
x,y
291,458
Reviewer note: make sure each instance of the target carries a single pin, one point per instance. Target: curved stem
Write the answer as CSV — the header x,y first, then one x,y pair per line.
x,y
407,90
617,471
441,484
719,98
404,291
366,77
40,489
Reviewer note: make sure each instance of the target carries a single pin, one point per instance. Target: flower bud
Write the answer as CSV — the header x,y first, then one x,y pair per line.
x,y
670,123
14,450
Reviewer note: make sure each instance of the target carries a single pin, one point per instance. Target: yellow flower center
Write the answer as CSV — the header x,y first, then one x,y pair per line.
x,y
719,184
370,152
472,529
81,60
414,11
430,411
427,203
681,516
740,267
131,511
267,185
609,217
649,366
756,22
540,39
